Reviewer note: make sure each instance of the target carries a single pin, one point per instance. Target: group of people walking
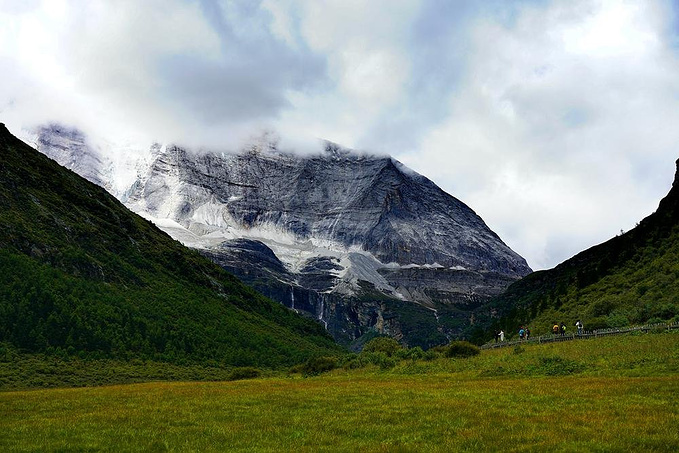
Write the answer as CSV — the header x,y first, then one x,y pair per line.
x,y
561,329
524,332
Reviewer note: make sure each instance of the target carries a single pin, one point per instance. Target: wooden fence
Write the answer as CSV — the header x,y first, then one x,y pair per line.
x,y
549,338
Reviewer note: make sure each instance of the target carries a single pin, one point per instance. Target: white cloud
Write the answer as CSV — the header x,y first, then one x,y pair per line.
x,y
92,64
555,120
201,73
612,28
365,45
561,131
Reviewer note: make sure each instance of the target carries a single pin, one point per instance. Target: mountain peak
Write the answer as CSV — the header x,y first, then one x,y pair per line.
x,y
324,231
335,151
345,200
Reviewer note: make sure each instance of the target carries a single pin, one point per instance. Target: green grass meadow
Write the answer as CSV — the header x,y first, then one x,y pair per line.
x,y
609,394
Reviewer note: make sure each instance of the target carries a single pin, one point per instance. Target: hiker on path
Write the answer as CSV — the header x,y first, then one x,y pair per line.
x,y
521,333
563,329
527,333
555,329
502,335
579,326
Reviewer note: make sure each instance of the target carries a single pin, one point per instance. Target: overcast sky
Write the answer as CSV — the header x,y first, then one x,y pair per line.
x,y
556,121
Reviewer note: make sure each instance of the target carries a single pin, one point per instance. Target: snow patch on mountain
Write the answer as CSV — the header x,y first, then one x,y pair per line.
x,y
114,166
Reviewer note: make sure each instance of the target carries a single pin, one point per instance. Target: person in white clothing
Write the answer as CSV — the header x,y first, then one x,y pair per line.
x,y
579,326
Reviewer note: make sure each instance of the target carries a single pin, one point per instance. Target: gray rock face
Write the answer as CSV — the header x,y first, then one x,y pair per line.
x,y
69,148
360,243
372,203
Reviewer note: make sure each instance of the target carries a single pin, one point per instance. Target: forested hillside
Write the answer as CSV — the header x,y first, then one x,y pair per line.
x,y
82,275
632,278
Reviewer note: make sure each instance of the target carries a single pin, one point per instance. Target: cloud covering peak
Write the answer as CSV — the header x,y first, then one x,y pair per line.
x,y
554,119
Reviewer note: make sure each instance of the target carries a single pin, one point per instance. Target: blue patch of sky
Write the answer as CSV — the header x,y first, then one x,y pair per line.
x,y
674,23
439,48
438,44
255,70
575,117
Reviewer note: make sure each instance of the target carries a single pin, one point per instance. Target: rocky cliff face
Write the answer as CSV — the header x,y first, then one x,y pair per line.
x,y
358,242
373,204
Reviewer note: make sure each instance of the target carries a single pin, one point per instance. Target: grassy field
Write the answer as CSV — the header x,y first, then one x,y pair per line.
x,y
611,394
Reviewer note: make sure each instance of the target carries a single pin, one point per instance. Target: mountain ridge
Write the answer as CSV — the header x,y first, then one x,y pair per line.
x,y
82,275
631,278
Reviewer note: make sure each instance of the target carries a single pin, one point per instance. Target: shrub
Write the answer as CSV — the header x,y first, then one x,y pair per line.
x,y
7,352
246,372
353,364
618,318
317,365
518,349
430,355
558,366
462,349
668,311
385,345
600,322
382,360
410,354
604,306
375,358
438,350
659,329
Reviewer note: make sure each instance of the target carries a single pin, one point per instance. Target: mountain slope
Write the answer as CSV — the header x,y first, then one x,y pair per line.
x,y
367,245
358,242
80,274
632,278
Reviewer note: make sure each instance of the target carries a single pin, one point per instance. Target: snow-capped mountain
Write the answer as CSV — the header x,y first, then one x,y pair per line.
x,y
360,242
114,166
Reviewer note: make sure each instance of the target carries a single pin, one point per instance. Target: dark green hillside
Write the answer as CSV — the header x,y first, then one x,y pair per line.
x,y
632,278
82,275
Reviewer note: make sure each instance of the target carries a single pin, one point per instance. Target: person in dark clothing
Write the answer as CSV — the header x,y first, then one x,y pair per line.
x,y
563,329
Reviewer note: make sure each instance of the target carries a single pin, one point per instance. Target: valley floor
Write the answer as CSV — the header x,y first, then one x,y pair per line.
x,y
371,413
620,397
